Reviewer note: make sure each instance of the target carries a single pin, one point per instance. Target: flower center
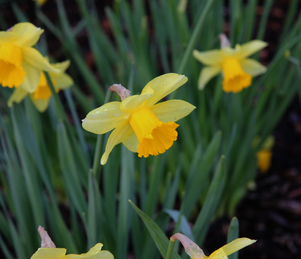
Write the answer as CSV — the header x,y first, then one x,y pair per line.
x,y
11,71
43,91
235,79
154,136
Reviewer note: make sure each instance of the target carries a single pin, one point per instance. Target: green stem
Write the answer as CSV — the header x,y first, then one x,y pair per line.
x,y
194,36
96,160
170,248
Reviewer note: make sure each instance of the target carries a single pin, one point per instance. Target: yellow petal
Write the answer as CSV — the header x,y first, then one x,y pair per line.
x,y
104,118
32,77
218,254
95,249
27,34
94,253
62,80
209,58
229,52
35,59
172,110
163,86
131,143
237,244
18,95
252,67
120,134
40,104
250,48
49,253
62,66
206,74
7,36
135,102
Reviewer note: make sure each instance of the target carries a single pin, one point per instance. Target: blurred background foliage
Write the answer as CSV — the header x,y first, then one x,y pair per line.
x,y
49,166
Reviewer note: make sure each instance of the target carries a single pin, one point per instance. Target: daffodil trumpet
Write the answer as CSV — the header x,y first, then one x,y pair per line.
x,y
236,68
195,252
20,64
141,124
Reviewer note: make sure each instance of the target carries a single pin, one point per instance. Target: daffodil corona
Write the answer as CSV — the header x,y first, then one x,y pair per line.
x,y
138,122
237,69
20,64
41,96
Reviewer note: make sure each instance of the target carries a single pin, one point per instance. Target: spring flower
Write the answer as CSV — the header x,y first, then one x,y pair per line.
x,y
20,64
60,253
237,69
49,251
264,155
195,252
40,2
138,122
41,96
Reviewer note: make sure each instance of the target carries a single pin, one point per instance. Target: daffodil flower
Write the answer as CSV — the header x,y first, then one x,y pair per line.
x,y
195,252
40,2
20,64
41,96
138,122
264,155
48,250
60,253
237,69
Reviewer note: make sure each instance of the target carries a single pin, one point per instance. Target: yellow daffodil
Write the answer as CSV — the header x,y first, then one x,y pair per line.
x,y
237,69
48,250
138,122
41,96
20,64
195,252
264,155
40,2
60,253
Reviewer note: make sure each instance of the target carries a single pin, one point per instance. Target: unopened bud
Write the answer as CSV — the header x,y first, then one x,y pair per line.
x,y
120,90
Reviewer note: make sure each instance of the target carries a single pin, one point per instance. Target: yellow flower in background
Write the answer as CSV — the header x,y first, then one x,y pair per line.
x,y
40,2
41,96
237,69
138,122
20,64
60,253
264,155
195,252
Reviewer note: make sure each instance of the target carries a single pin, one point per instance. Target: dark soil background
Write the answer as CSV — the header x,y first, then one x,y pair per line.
x,y
271,213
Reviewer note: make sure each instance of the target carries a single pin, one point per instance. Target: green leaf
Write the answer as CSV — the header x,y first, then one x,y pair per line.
x,y
157,234
184,226
233,233
212,201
